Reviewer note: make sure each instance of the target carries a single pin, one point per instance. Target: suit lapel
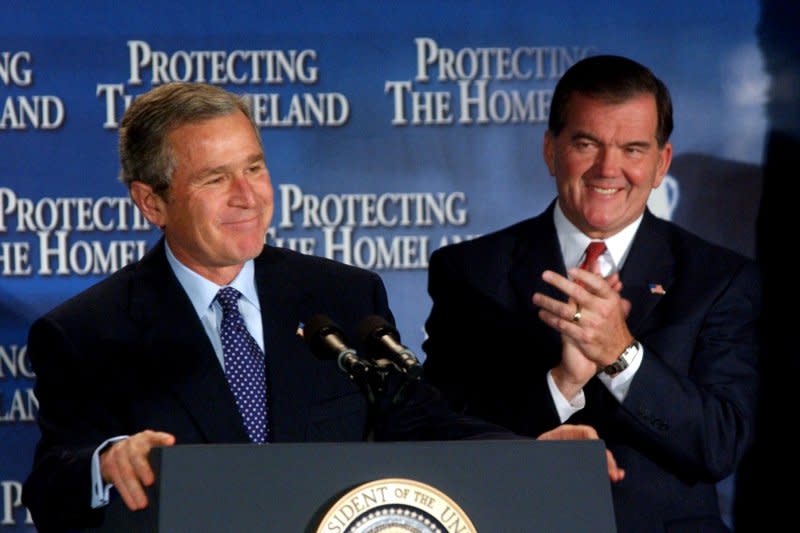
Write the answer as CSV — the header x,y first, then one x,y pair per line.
x,y
279,298
180,353
649,271
536,250
283,299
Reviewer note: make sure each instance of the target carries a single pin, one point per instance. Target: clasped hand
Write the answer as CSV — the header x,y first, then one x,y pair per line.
x,y
597,338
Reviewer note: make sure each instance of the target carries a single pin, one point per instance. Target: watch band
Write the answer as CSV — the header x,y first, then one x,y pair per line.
x,y
624,360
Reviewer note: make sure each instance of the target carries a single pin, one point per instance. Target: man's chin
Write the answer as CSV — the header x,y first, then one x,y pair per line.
x,y
251,252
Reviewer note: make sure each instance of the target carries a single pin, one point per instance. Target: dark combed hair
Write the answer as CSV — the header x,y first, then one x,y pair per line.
x,y
615,79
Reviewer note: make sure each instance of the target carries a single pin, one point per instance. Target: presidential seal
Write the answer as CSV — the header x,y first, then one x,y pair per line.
x,y
395,505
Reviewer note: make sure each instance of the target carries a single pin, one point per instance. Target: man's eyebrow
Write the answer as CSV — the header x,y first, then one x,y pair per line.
x,y
221,169
582,135
578,135
637,144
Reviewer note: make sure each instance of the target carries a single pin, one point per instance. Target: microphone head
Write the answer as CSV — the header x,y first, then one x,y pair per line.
x,y
372,327
316,329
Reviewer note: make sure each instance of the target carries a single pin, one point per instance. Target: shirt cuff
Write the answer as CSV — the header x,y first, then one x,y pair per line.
x,y
564,407
101,491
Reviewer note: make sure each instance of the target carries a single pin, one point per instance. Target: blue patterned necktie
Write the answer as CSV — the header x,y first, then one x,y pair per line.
x,y
244,366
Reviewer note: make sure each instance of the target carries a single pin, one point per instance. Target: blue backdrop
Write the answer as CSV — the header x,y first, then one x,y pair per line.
x,y
390,129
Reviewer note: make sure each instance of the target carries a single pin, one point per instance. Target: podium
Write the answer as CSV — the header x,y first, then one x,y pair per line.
x,y
501,486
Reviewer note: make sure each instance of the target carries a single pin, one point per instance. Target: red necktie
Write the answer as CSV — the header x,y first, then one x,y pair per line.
x,y
593,251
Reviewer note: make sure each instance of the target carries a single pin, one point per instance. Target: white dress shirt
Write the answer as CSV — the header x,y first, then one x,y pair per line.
x,y
573,243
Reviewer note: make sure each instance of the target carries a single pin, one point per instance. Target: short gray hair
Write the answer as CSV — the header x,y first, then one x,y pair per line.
x,y
144,152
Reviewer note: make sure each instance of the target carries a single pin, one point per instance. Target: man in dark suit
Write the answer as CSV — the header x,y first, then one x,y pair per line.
x,y
142,358
653,343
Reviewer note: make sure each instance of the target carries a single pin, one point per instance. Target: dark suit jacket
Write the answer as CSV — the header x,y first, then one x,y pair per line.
x,y
688,416
130,354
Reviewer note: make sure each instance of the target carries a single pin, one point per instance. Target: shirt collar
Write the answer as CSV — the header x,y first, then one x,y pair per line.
x,y
573,242
202,292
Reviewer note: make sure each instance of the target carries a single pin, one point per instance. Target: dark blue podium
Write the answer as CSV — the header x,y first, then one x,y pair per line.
x,y
502,486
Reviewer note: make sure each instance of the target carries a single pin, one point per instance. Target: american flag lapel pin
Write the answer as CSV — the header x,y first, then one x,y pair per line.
x,y
300,329
656,288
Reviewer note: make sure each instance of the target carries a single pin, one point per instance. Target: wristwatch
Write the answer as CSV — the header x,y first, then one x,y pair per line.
x,y
624,360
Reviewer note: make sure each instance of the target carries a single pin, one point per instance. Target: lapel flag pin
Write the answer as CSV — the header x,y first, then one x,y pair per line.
x,y
300,329
656,288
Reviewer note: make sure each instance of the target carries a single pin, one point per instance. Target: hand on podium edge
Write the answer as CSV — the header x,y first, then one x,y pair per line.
x,y
125,465
584,432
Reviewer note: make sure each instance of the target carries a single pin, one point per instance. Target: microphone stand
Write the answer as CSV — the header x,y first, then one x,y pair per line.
x,y
378,381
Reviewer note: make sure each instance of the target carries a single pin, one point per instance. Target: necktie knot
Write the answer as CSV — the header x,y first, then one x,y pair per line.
x,y
593,251
228,298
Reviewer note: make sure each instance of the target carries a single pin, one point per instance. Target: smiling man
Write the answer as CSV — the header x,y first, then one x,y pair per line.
x,y
196,342
596,311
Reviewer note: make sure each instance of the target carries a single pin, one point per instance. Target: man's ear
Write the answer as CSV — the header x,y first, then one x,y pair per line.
x,y
150,203
664,161
549,152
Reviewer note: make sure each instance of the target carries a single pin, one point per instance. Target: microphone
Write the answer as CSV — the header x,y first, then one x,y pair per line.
x,y
380,336
327,341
